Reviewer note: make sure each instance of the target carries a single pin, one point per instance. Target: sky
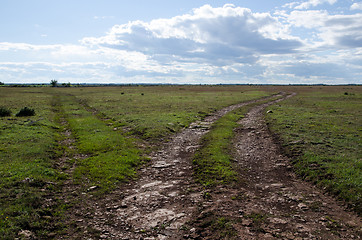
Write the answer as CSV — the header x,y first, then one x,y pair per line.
x,y
181,42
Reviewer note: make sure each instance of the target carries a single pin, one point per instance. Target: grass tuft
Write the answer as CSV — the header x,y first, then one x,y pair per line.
x,y
5,112
26,112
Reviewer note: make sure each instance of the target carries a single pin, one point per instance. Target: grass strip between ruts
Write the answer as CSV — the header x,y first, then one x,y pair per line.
x,y
213,161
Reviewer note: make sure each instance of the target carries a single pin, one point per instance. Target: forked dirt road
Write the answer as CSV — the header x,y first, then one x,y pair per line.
x,y
270,201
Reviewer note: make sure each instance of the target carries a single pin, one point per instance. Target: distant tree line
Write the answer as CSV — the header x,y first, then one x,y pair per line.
x,y
54,83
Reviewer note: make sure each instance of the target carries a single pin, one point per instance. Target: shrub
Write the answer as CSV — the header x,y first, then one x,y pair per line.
x,y
54,83
4,112
25,111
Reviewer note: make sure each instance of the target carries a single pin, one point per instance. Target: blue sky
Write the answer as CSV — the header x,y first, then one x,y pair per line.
x,y
208,42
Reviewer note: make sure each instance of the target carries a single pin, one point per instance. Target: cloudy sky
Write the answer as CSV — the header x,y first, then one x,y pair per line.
x,y
207,42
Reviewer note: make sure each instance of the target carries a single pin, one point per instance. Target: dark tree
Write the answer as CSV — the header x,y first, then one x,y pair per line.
x,y
54,83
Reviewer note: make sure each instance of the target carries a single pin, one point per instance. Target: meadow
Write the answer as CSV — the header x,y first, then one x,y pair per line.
x,y
321,130
114,128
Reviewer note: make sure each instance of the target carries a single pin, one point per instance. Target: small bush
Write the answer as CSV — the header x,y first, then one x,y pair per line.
x,y
4,112
25,111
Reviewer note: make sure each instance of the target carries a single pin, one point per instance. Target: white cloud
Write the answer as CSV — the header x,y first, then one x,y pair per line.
x,y
343,31
356,6
325,30
8,46
308,19
218,36
209,45
313,3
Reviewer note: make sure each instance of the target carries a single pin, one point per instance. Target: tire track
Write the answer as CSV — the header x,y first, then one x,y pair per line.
x,y
162,202
270,202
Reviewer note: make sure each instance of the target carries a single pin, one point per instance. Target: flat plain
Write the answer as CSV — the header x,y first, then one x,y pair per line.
x,y
86,143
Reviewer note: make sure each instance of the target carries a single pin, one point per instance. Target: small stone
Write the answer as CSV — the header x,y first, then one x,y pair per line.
x,y
26,234
277,185
268,236
161,164
92,188
269,111
278,221
289,235
246,222
303,206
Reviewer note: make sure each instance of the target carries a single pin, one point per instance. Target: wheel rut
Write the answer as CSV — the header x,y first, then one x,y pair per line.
x,y
161,203
270,201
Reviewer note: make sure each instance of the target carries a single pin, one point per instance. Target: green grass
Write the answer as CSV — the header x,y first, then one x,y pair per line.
x,y
115,130
321,130
161,110
213,161
26,164
107,125
111,156
224,228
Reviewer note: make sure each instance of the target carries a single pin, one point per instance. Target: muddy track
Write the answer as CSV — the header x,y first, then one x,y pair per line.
x,y
270,202
161,203
166,203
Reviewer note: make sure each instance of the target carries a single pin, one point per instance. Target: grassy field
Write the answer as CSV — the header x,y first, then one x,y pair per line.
x,y
155,112
113,127
26,163
320,129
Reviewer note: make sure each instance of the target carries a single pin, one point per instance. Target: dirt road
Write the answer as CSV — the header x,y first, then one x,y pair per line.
x,y
269,202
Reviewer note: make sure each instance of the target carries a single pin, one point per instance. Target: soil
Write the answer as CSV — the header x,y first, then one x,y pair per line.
x,y
268,202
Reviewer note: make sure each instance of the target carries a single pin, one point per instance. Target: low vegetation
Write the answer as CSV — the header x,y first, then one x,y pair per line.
x,y
27,175
108,128
153,113
5,112
320,129
213,160
26,112
115,127
111,156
